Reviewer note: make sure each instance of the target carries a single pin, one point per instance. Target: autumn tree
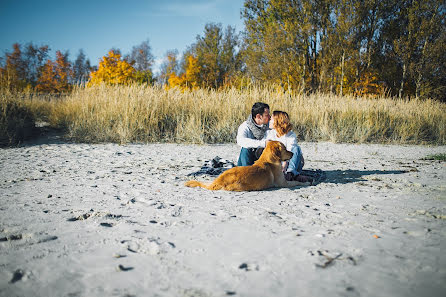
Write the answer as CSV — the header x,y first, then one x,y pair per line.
x,y
207,49
190,78
63,71
113,70
81,68
34,58
348,46
21,68
141,56
217,55
47,79
278,42
56,76
169,66
413,44
214,54
342,54
141,59
230,56
13,73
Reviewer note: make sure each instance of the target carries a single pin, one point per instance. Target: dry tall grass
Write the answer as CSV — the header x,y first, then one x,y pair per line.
x,y
16,121
150,114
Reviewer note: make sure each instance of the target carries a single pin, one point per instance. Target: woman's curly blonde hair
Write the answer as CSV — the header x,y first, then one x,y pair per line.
x,y
282,123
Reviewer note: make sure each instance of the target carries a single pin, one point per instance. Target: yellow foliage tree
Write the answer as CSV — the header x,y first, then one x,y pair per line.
x,y
190,79
193,72
113,70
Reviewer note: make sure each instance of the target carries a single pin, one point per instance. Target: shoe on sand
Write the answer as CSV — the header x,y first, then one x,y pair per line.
x,y
303,178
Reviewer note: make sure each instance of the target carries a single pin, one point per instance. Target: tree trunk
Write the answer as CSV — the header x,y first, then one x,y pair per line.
x,y
342,72
420,70
371,31
400,93
314,62
303,72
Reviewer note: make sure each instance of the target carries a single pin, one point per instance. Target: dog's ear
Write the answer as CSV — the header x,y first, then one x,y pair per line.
x,y
276,149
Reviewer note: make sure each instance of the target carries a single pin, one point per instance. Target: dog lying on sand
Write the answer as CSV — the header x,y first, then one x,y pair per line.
x,y
265,173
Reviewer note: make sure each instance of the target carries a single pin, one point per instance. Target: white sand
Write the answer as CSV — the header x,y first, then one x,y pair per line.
x,y
110,220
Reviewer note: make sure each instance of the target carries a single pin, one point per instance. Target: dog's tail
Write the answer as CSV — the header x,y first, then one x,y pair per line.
x,y
194,183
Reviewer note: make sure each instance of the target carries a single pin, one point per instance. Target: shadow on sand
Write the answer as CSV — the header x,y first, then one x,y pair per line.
x,y
351,176
41,136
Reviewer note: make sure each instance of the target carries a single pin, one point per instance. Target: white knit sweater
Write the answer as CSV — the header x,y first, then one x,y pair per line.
x,y
246,139
289,139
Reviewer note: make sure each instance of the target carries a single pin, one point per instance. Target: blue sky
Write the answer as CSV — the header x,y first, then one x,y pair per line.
x,y
96,26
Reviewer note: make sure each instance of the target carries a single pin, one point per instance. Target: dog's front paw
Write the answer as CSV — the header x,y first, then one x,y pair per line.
x,y
289,176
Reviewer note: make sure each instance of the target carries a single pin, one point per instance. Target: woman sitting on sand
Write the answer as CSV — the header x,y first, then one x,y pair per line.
x,y
281,131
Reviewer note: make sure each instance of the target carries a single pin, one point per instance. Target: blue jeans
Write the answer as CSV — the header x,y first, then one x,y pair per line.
x,y
295,163
247,157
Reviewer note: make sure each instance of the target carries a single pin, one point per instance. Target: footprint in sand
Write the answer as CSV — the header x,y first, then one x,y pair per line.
x,y
107,224
17,276
151,246
326,258
28,238
79,218
177,212
122,268
46,239
249,267
117,256
87,215
12,237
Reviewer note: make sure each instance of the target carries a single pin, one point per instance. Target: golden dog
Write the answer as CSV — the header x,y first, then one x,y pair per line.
x,y
265,173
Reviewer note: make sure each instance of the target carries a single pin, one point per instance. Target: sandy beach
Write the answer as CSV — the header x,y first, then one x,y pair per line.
x,y
117,220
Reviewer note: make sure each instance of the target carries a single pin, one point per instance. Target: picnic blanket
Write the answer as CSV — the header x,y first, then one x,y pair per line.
x,y
216,166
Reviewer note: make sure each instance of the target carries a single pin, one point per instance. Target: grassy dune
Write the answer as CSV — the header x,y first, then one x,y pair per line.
x,y
150,114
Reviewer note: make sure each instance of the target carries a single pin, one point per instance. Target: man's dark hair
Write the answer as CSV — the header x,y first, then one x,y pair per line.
x,y
258,108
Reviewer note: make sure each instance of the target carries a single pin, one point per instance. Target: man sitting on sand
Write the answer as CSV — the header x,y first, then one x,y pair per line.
x,y
251,134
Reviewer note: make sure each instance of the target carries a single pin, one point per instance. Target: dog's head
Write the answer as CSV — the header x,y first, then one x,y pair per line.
x,y
277,151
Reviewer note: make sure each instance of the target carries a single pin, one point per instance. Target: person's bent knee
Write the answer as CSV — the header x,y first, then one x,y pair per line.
x,y
246,157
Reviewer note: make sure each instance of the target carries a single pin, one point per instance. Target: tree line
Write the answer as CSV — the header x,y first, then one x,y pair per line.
x,y
349,46
29,67
392,47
